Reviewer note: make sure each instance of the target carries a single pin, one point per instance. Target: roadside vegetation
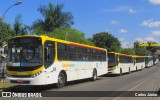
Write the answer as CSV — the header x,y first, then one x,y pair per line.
x,y
58,24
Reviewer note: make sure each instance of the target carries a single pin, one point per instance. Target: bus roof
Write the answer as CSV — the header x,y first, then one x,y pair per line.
x,y
135,56
62,41
120,54
148,56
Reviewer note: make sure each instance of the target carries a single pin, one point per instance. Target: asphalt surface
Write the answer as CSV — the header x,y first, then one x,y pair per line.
x,y
146,80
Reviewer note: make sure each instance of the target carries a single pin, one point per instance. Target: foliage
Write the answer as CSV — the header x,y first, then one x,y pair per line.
x,y
129,51
70,35
54,18
6,31
67,34
19,28
151,48
106,40
142,51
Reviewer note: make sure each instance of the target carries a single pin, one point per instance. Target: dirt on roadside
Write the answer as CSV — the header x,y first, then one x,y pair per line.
x,y
3,84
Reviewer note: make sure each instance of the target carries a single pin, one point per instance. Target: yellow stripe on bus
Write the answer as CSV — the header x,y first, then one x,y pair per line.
x,y
25,72
112,68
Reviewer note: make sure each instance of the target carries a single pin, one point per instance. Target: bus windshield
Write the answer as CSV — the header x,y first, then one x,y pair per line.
x,y
22,54
111,60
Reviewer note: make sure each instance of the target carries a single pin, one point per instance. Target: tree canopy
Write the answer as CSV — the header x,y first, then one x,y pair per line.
x,y
19,28
69,34
54,18
142,51
6,31
106,40
150,47
129,51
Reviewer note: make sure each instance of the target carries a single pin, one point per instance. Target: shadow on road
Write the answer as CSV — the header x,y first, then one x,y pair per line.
x,y
41,88
23,88
81,81
110,75
158,92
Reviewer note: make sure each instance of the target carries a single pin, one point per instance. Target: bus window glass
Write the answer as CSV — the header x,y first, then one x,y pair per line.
x,y
111,60
25,55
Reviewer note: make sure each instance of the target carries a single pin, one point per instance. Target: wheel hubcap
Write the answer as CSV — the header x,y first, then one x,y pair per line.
x,y
95,76
60,80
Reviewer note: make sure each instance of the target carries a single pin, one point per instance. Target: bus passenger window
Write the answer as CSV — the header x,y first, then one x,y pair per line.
x,y
49,53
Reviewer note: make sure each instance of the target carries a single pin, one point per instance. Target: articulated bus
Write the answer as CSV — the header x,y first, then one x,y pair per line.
x,y
148,61
119,63
41,60
139,62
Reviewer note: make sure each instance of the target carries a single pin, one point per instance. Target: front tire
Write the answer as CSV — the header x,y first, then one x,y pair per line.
x,y
120,72
129,71
61,81
94,76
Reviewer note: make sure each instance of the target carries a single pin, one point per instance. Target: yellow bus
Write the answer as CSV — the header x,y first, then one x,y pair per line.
x,y
119,63
41,60
139,62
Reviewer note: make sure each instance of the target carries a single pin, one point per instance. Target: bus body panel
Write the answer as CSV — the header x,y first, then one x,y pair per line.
x,y
140,66
149,64
125,68
114,71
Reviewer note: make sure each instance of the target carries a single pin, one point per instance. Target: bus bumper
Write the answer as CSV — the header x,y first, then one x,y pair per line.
x,y
39,80
115,71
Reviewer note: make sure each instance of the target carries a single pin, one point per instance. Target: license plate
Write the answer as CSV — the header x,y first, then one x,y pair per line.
x,y
20,81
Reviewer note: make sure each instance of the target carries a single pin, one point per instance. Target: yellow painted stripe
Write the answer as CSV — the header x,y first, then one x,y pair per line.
x,y
25,72
112,68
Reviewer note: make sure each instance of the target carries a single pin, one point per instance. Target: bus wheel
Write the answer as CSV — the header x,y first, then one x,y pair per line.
x,y
61,81
94,76
120,74
129,71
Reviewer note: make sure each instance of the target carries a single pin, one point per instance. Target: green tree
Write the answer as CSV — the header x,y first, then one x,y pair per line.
x,y
54,18
6,31
129,51
69,34
19,28
142,51
106,40
151,48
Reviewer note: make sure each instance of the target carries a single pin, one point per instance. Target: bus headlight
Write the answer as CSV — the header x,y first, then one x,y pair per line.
x,y
36,74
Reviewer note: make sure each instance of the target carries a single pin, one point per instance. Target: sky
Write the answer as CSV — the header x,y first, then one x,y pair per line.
x,y
128,20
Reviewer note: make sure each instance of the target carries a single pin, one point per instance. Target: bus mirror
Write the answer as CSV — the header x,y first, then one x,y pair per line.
x,y
46,53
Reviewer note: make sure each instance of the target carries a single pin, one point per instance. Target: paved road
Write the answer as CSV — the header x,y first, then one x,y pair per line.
x,y
146,80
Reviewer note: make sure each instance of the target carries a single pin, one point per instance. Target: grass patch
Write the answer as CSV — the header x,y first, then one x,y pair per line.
x,y
4,84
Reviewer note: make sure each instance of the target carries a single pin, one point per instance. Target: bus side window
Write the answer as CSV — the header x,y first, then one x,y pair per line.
x,y
46,53
49,53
